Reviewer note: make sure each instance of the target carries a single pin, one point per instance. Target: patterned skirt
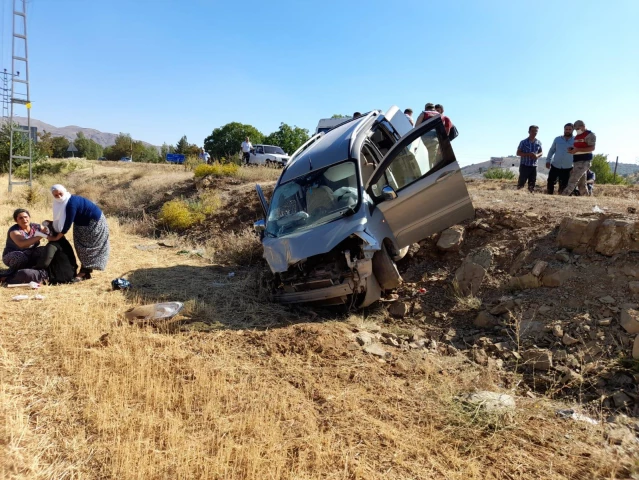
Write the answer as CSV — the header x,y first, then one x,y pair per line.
x,y
92,243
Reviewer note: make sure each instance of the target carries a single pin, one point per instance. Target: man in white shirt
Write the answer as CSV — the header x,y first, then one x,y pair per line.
x,y
204,156
409,114
246,150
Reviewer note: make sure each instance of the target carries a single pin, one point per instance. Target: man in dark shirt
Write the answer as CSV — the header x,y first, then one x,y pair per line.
x,y
529,151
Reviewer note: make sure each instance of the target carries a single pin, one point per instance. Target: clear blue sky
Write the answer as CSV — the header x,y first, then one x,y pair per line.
x,y
160,69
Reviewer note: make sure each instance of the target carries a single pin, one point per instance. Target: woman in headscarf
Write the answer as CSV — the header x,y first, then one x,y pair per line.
x,y
22,240
90,231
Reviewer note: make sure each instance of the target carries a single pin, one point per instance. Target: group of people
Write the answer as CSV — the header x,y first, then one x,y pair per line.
x,y
56,262
569,160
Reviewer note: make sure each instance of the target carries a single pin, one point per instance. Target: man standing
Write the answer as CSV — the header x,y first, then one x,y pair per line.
x,y
559,161
581,152
529,151
204,156
409,114
590,180
246,150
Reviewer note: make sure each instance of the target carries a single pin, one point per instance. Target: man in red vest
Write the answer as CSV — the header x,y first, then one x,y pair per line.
x,y
581,153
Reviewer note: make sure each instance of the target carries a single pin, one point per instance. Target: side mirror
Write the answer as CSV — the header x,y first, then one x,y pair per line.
x,y
259,226
388,193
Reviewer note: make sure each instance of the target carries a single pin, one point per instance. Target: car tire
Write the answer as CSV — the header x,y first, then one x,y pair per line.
x,y
385,270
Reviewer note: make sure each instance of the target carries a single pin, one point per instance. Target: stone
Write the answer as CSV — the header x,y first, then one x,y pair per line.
x,y
574,232
451,239
556,278
376,350
491,402
630,271
519,261
524,282
629,319
621,399
635,348
364,338
482,257
562,256
505,306
633,287
399,309
539,359
608,300
605,322
557,331
480,356
485,320
468,278
568,340
571,377
620,435
544,309
539,268
613,237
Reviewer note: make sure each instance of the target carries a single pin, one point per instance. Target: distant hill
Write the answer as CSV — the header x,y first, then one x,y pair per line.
x,y
70,132
625,168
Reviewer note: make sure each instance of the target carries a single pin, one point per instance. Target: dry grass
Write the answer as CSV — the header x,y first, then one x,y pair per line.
x,y
258,392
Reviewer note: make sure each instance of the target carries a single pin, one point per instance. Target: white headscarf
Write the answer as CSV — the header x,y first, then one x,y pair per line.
x,y
60,207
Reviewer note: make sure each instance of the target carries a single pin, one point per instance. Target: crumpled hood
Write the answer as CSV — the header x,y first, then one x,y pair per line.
x,y
282,252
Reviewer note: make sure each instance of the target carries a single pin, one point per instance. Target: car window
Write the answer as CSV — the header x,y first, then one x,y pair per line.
x,y
276,150
415,160
382,138
259,150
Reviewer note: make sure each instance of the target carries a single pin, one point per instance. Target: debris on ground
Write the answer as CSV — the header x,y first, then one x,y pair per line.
x,y
156,311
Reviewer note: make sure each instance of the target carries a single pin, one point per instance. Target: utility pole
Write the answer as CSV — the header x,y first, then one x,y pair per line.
x,y
19,87
614,176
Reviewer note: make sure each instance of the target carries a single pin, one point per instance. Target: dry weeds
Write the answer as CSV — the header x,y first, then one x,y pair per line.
x,y
262,394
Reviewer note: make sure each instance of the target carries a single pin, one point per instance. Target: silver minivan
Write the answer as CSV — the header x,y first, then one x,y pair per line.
x,y
352,200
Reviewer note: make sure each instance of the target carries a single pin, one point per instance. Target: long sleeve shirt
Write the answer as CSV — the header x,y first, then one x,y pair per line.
x,y
558,155
80,211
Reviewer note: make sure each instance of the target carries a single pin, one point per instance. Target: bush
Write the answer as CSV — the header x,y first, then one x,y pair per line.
x,y
178,215
216,170
47,168
499,174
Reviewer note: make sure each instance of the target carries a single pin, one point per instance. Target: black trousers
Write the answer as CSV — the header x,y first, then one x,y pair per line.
x,y
245,157
561,174
527,174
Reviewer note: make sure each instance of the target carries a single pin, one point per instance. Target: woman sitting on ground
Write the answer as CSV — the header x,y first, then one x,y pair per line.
x,y
90,232
22,241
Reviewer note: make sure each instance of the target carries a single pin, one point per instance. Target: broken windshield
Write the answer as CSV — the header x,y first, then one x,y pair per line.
x,y
313,199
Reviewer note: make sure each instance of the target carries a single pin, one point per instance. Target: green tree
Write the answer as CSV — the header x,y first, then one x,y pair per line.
x,y
603,172
59,146
45,143
166,148
226,141
339,115
87,148
287,137
21,143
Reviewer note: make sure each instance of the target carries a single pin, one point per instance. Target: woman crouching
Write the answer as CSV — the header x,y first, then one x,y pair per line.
x,y
90,229
22,240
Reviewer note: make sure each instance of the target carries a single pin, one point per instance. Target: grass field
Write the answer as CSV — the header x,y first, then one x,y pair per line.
x,y
251,390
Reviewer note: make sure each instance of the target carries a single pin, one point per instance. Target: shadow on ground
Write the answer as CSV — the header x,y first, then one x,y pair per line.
x,y
217,297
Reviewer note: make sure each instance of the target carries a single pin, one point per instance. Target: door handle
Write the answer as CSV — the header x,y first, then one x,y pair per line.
x,y
444,175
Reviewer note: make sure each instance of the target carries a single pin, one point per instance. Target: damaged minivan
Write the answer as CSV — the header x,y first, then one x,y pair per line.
x,y
352,200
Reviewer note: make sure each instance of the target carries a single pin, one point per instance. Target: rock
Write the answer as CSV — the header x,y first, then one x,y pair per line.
x,y
482,257
630,271
574,232
562,256
571,377
375,329
364,338
485,320
539,359
519,261
524,282
633,287
568,340
621,399
605,322
556,278
557,331
544,309
491,402
390,341
399,309
629,319
376,350
451,239
506,305
608,300
613,236
539,268
620,435
468,278
480,356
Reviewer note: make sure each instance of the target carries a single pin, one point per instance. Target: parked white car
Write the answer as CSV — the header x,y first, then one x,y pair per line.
x,y
269,155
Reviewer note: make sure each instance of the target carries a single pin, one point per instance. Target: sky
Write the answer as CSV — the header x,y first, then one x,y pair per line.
x,y
160,69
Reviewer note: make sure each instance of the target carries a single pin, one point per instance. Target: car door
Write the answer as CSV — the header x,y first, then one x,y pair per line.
x,y
418,185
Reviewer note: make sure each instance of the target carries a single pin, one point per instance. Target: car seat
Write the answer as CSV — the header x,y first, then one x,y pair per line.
x,y
319,200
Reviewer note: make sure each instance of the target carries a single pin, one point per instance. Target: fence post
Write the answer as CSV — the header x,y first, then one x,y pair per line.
x,y
614,176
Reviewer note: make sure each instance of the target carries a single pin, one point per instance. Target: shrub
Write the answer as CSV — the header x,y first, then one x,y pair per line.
x,y
216,170
499,174
178,215
192,162
48,168
208,203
